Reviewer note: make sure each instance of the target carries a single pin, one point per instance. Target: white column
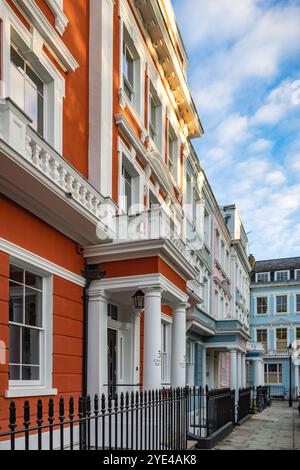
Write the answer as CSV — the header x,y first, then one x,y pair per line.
x,y
152,339
178,359
297,391
233,374
97,343
243,371
258,373
136,346
212,369
204,367
238,370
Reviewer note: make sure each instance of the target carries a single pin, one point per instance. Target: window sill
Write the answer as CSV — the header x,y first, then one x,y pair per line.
x,y
30,392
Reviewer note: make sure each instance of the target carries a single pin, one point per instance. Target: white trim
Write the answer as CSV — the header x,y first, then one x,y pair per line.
x,y
61,21
258,315
138,282
30,392
295,301
256,276
45,265
46,30
20,388
287,295
166,318
283,271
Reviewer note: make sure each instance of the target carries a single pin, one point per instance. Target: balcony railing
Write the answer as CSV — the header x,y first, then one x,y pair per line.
x,y
155,224
47,165
277,352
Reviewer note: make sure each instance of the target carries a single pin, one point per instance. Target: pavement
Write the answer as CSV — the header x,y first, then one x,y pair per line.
x,y
276,428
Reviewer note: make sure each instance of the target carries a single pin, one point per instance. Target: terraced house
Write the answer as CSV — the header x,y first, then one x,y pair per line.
x,y
275,324
117,266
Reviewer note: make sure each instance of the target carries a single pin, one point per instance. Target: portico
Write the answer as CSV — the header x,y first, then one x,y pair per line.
x,y
143,348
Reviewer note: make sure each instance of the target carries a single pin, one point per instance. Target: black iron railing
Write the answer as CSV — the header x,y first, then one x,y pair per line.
x,y
209,410
155,420
244,403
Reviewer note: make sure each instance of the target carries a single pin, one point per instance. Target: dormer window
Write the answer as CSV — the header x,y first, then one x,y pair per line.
x,y
282,276
27,89
262,277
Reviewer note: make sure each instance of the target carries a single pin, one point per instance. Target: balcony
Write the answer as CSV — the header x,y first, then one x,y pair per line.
x,y
254,346
35,176
277,352
155,224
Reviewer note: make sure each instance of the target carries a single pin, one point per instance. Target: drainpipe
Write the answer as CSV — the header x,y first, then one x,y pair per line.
x,y
91,273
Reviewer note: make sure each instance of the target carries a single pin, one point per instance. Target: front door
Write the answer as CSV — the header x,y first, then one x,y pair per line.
x,y
112,361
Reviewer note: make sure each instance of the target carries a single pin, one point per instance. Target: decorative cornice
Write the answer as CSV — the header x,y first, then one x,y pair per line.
x,y
40,22
39,262
61,21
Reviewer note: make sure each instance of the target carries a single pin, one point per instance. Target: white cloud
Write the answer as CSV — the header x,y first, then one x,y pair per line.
x,y
242,87
278,103
261,145
233,129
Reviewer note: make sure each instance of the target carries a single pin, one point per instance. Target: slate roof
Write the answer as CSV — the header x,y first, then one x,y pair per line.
x,y
276,265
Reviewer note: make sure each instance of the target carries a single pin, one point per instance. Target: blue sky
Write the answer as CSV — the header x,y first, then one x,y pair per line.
x,y
245,78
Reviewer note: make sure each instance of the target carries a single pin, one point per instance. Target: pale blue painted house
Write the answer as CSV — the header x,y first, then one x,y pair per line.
x,y
275,325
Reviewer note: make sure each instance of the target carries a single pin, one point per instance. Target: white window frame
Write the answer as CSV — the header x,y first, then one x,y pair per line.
x,y
127,159
262,329
297,272
32,42
267,364
256,304
287,304
297,340
297,311
280,272
44,385
131,36
263,273
287,337
157,141
174,152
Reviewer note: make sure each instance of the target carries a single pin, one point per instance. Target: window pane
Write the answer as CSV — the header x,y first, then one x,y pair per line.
x,y
32,280
16,274
33,307
17,78
31,347
14,372
16,292
30,373
31,103
35,81
14,344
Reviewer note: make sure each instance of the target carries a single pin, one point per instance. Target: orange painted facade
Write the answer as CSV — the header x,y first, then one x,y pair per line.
x,y
26,231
